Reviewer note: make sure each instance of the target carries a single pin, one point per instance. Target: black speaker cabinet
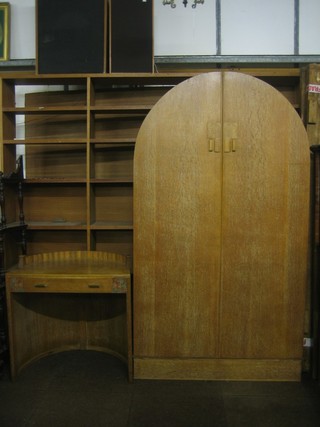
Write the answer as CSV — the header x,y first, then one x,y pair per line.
x,y
71,36
131,36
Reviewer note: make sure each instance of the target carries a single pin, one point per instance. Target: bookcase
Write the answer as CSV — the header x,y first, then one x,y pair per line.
x,y
77,135
77,138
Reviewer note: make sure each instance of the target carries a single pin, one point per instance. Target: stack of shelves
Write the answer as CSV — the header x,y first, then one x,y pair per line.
x,y
78,140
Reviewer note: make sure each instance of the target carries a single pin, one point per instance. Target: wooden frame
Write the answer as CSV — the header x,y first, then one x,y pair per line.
x,y
4,31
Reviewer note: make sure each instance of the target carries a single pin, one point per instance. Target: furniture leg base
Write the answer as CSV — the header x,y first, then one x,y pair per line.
x,y
217,369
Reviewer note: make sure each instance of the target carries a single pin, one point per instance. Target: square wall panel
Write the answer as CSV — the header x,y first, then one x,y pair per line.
x,y
257,27
309,40
184,30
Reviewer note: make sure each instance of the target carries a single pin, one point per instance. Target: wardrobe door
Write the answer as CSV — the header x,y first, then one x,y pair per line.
x,y
177,216
264,222
221,202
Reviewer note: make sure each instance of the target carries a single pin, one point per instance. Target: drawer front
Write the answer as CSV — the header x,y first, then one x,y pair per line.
x,y
68,285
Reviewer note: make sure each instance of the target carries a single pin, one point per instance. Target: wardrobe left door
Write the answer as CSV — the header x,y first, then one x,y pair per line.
x,y
177,218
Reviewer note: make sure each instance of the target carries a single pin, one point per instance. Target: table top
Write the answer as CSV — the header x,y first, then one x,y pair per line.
x,y
72,264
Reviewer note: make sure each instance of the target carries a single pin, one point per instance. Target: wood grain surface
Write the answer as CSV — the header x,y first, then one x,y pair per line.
x,y
221,204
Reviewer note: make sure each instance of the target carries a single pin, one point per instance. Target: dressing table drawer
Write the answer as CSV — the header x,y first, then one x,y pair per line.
x,y
69,285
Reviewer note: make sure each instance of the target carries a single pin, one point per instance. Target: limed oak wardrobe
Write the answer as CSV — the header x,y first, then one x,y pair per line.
x,y
221,206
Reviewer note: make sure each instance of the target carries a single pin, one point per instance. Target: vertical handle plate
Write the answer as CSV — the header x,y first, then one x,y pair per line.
x,y
230,133
214,136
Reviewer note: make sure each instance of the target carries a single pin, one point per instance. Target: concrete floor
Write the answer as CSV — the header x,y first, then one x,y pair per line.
x,y
90,389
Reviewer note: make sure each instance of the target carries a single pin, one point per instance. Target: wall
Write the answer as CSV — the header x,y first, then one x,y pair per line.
x,y
22,41
248,27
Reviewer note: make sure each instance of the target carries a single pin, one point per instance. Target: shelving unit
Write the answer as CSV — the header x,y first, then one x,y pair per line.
x,y
78,134
78,141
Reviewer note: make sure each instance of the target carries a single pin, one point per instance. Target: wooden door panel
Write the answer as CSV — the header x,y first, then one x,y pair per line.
x,y
177,223
221,193
264,223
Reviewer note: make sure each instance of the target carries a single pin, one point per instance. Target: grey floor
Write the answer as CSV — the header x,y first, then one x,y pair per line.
x,y
90,389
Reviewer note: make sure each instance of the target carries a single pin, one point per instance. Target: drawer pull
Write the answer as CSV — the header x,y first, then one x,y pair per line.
x,y
40,285
94,285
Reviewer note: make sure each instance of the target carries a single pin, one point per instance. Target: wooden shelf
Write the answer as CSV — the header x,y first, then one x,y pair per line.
x,y
119,140
61,180
100,225
45,110
56,225
43,141
115,180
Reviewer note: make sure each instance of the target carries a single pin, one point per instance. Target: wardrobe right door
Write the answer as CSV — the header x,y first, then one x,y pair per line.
x,y
265,209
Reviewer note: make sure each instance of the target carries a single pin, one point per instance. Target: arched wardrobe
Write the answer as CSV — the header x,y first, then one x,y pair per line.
x,y
221,218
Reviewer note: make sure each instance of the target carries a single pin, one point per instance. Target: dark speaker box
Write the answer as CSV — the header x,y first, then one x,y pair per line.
x,y
131,36
71,36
